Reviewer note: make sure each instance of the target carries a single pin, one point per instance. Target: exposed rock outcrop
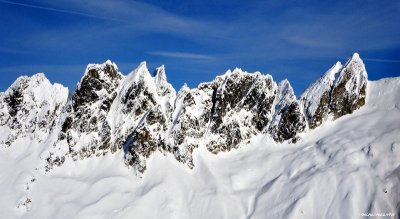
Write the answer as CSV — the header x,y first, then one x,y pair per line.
x,y
142,113
85,128
349,91
339,92
316,99
289,119
242,108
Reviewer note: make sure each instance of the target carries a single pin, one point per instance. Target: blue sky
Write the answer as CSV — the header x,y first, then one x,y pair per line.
x,y
197,40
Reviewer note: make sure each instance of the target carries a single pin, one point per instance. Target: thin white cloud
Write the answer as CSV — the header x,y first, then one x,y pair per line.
x,y
295,33
182,55
55,9
381,60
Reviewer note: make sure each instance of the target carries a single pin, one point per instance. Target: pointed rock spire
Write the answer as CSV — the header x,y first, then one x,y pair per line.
x,y
159,75
85,129
339,92
288,119
316,99
349,91
98,78
163,87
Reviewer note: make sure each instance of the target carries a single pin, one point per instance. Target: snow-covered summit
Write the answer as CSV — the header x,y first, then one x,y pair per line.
x,y
339,92
159,75
139,73
349,91
84,129
165,90
315,99
288,119
29,107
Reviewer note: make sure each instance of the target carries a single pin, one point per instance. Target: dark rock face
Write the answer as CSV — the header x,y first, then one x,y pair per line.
x,y
221,114
97,79
190,121
145,140
230,94
316,99
292,122
88,109
146,136
322,111
288,118
349,91
145,107
243,105
341,91
130,100
14,101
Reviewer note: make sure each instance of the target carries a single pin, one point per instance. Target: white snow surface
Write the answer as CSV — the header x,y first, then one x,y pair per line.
x,y
342,169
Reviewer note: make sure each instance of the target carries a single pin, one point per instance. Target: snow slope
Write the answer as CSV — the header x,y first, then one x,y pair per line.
x,y
342,169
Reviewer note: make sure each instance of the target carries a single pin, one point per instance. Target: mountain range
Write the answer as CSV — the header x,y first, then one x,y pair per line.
x,y
140,116
141,112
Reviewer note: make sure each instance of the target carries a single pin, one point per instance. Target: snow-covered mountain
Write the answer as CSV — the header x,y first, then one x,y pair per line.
x,y
113,122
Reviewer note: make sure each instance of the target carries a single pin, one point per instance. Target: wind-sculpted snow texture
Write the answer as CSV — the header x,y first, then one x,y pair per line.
x,y
141,113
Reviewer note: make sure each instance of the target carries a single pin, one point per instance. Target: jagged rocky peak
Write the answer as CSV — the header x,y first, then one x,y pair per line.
x,y
288,119
242,108
159,76
165,90
339,92
29,107
98,79
349,91
85,129
190,119
223,113
316,99
144,111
